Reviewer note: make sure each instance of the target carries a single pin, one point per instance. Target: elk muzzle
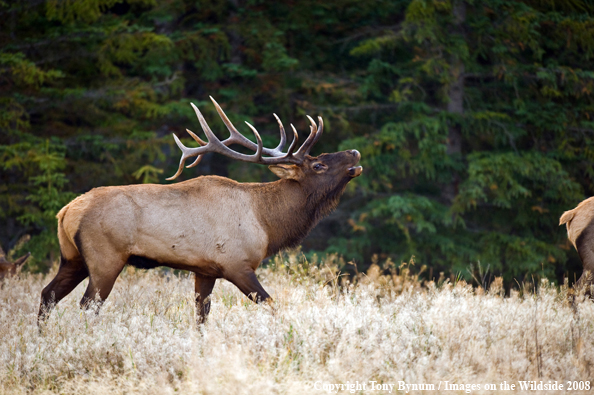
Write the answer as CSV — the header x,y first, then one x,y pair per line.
x,y
355,171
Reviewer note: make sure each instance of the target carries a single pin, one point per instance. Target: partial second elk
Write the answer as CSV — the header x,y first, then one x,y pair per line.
x,y
580,231
212,226
8,268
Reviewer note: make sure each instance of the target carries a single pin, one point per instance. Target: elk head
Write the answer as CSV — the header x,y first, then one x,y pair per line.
x,y
10,268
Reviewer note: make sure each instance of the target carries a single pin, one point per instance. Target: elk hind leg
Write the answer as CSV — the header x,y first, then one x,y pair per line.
x,y
585,282
203,288
70,274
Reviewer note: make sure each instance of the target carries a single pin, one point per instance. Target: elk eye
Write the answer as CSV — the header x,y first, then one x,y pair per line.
x,y
317,166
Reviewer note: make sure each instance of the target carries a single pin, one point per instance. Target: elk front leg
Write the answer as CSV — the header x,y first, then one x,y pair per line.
x,y
203,288
248,283
103,272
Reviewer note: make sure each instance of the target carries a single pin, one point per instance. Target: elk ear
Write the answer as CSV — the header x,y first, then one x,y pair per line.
x,y
287,172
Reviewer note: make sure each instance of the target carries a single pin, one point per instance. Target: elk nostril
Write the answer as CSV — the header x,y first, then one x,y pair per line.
x,y
355,152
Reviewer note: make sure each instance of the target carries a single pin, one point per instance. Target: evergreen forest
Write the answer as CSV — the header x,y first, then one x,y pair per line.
x,y
473,118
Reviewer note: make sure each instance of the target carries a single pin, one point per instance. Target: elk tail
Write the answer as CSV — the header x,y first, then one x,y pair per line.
x,y
567,217
68,248
61,214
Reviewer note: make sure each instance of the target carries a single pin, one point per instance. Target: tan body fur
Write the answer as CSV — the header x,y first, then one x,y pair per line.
x,y
580,231
189,225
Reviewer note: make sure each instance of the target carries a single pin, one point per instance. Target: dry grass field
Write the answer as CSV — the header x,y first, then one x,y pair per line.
x,y
381,330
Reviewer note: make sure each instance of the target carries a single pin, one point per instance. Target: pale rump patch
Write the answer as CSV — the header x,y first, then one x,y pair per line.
x,y
69,224
578,219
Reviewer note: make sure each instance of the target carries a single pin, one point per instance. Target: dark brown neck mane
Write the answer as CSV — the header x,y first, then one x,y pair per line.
x,y
289,211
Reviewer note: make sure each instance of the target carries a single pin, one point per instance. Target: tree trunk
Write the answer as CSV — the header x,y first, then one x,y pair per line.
x,y
456,98
233,32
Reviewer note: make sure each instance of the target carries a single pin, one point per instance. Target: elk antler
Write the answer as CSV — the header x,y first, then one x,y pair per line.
x,y
274,155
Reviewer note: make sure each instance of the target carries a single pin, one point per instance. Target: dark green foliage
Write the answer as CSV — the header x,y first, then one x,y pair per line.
x,y
474,119
523,123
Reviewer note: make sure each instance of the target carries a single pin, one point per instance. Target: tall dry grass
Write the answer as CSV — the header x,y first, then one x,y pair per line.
x,y
383,328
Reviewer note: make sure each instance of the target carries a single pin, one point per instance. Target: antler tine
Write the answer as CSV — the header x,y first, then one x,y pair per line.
x,y
312,128
235,137
258,153
283,135
317,130
320,129
196,161
202,144
183,149
309,142
209,134
313,123
195,137
294,142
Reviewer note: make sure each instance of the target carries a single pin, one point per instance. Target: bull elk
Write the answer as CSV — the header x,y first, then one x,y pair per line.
x,y
580,231
8,268
212,226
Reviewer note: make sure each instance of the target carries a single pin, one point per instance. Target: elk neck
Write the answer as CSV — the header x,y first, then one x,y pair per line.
x,y
289,210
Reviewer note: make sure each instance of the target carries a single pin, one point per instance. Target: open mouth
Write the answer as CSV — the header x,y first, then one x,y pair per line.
x,y
355,171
